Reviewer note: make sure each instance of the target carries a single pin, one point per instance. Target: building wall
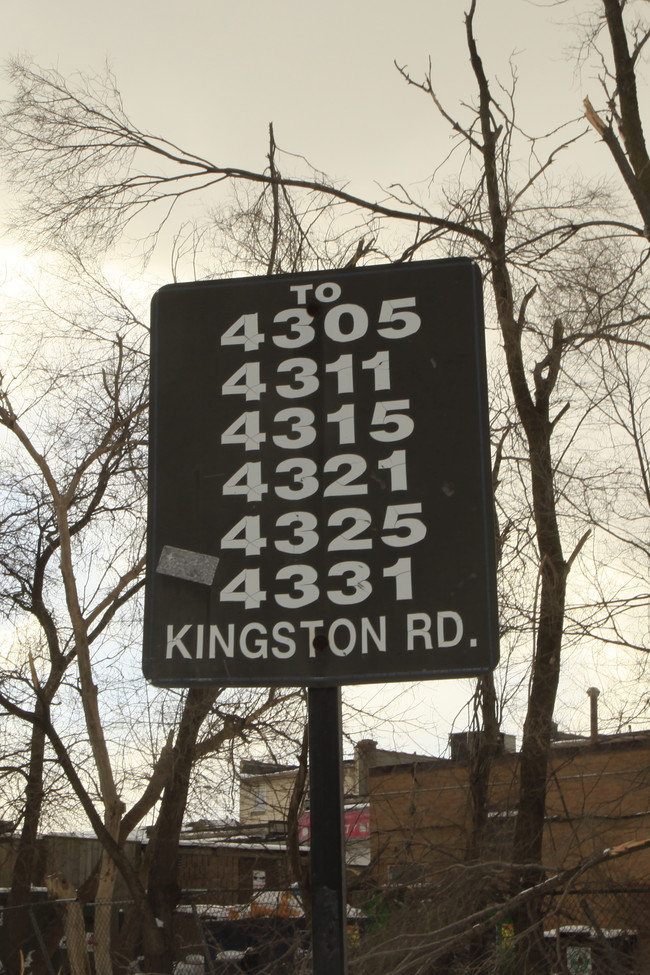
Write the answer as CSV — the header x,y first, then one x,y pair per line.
x,y
598,797
218,873
264,798
223,874
72,854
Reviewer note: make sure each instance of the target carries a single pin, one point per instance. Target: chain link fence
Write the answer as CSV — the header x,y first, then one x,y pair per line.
x,y
586,931
63,937
600,930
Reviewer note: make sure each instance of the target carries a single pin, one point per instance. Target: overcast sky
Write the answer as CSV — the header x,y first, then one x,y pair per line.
x,y
210,75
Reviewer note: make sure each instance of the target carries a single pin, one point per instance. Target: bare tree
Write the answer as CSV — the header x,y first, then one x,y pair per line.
x,y
621,129
75,441
91,172
73,411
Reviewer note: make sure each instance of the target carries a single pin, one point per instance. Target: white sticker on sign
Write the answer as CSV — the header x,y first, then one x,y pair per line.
x,y
192,566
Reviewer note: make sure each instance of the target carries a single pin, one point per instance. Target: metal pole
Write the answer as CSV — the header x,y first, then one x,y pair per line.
x,y
41,943
327,854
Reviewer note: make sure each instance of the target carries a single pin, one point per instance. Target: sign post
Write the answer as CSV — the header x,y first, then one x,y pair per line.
x,y
320,505
327,848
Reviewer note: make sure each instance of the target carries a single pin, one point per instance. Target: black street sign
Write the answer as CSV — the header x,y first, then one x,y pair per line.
x,y
320,491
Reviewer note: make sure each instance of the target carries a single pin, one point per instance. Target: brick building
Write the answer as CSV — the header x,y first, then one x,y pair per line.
x,y
265,792
598,796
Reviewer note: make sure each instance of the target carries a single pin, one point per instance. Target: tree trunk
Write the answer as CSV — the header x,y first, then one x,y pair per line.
x,y
23,871
162,854
104,900
481,760
533,409
59,888
299,868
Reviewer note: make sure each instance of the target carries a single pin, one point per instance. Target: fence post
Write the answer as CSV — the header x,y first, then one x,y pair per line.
x,y
41,943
